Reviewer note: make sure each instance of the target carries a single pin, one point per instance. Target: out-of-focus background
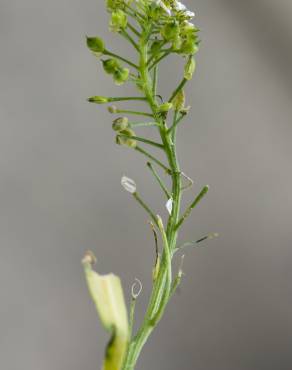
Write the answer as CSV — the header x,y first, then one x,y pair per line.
x,y
60,191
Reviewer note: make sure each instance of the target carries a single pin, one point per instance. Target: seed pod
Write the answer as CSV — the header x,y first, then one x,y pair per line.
x,y
189,68
98,99
96,45
179,101
126,141
120,124
110,65
121,75
112,109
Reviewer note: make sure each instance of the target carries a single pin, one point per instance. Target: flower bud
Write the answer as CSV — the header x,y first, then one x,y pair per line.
x,y
179,100
170,31
165,107
98,99
121,75
189,68
112,109
110,65
96,45
126,140
189,47
155,47
118,21
120,124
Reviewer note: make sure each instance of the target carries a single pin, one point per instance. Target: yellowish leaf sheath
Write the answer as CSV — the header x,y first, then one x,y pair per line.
x,y
107,294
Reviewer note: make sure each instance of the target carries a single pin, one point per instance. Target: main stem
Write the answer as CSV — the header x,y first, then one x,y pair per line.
x,y
160,293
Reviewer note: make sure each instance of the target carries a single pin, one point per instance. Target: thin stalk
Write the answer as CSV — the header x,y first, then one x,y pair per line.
x,y
134,30
129,38
136,113
160,182
132,316
125,98
157,161
175,123
201,195
109,53
143,124
147,209
154,84
142,140
177,90
159,60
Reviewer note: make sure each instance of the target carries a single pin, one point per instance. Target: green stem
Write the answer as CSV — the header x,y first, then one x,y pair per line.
x,y
160,182
157,161
133,29
177,90
109,53
161,290
143,140
143,124
147,209
125,98
159,60
201,195
129,38
175,123
136,113
154,85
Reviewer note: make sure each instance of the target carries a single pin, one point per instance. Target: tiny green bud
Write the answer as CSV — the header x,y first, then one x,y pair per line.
x,y
189,47
98,99
112,109
189,68
110,65
120,124
118,21
155,47
126,141
170,31
121,75
113,4
179,100
96,45
165,107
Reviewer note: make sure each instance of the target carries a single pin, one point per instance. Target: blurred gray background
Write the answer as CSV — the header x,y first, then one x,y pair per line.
x,y
60,191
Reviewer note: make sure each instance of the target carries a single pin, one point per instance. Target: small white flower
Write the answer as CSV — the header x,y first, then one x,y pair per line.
x,y
189,14
169,205
163,6
128,184
180,6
